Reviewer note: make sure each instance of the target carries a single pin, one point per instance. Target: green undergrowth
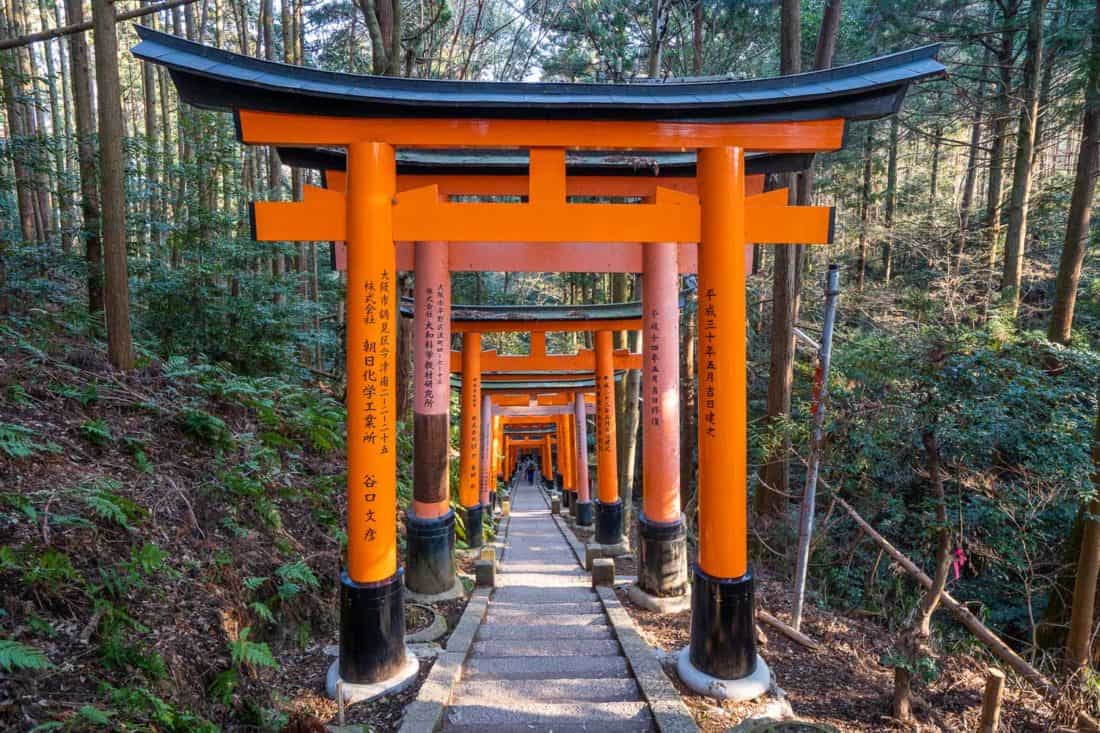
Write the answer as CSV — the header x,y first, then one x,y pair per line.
x,y
171,536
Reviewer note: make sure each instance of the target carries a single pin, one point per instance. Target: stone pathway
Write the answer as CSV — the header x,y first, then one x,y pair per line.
x,y
545,657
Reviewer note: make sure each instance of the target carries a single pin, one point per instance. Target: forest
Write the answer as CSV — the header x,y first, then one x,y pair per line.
x,y
172,418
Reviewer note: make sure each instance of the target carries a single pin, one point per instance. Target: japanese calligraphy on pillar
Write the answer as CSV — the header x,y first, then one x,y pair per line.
x,y
385,346
372,414
604,412
429,347
653,351
474,437
709,328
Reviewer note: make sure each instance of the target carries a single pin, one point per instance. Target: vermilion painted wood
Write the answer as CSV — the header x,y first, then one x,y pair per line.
x,y
660,384
468,487
580,428
280,128
431,367
723,445
419,215
371,365
606,459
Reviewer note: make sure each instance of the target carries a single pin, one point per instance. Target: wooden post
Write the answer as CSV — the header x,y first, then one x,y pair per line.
x,y
609,510
723,639
662,537
991,701
584,499
469,492
372,614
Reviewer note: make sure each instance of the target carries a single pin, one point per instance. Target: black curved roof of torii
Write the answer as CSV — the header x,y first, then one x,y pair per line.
x,y
535,385
213,78
515,162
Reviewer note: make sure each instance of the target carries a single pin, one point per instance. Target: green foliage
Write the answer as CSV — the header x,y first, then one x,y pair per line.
x,y
17,441
139,705
15,657
96,432
247,653
205,428
50,569
108,505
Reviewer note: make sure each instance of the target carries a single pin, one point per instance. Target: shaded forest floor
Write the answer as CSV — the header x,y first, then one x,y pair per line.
x,y
169,544
843,685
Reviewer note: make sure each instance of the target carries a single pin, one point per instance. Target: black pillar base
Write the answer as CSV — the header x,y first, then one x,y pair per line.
x,y
723,640
662,557
565,497
557,482
609,523
475,526
572,503
586,514
430,553
492,501
372,629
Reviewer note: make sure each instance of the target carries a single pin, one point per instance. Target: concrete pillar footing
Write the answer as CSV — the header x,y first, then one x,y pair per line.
x,y
354,693
658,604
740,690
456,591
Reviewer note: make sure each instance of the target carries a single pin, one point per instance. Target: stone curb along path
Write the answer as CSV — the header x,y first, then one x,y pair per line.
x,y
546,652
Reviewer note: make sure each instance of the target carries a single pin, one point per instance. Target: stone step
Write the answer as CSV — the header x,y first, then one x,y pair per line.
x,y
524,632
562,647
627,727
544,668
587,716
504,608
532,618
563,690
534,595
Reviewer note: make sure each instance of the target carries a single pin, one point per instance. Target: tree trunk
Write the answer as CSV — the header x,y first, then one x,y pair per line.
x,y
86,157
771,497
658,21
697,37
865,214
1079,643
891,201
17,128
915,641
1016,236
998,125
971,178
1080,210
120,349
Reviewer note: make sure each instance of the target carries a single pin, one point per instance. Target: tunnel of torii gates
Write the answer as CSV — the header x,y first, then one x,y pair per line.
x,y
427,187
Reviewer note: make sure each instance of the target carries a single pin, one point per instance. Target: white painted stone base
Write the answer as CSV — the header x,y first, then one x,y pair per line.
x,y
457,591
364,693
658,604
746,688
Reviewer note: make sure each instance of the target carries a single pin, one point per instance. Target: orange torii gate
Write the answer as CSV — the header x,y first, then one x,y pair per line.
x,y
372,118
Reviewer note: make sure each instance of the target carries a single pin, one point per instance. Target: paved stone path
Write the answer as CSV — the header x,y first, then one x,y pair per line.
x,y
545,658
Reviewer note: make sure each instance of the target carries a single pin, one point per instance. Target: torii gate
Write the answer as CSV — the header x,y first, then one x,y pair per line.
x,y
372,117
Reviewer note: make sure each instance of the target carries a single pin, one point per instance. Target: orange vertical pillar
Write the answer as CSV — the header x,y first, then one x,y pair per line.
x,y
609,508
723,642
469,460
487,488
585,512
372,615
662,546
547,469
430,521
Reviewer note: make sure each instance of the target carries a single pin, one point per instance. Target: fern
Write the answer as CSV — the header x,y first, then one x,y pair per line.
x,y
94,716
96,432
17,441
262,611
16,656
251,653
298,572
254,582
